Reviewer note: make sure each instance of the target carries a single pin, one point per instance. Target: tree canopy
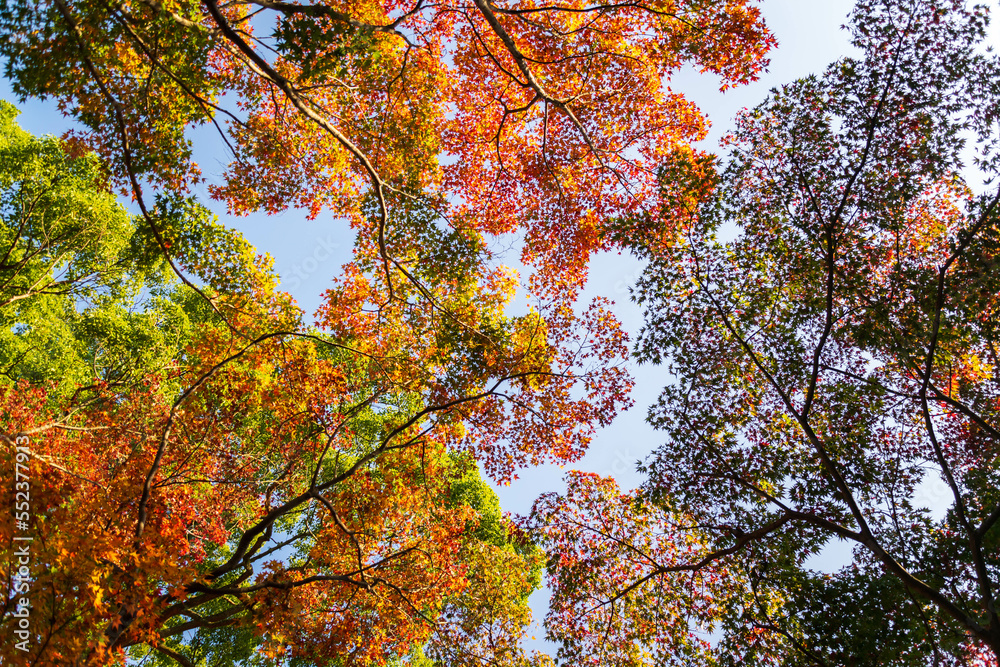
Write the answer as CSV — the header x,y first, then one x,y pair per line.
x,y
551,120
829,314
211,480
203,477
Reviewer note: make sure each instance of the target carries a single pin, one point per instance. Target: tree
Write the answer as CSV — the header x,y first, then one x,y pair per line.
x,y
65,242
828,310
194,496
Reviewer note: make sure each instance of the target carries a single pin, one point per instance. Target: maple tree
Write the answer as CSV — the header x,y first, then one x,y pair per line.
x,y
829,313
263,491
520,116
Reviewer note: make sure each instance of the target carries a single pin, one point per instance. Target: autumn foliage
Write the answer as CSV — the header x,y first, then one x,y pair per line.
x,y
546,119
215,482
829,315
